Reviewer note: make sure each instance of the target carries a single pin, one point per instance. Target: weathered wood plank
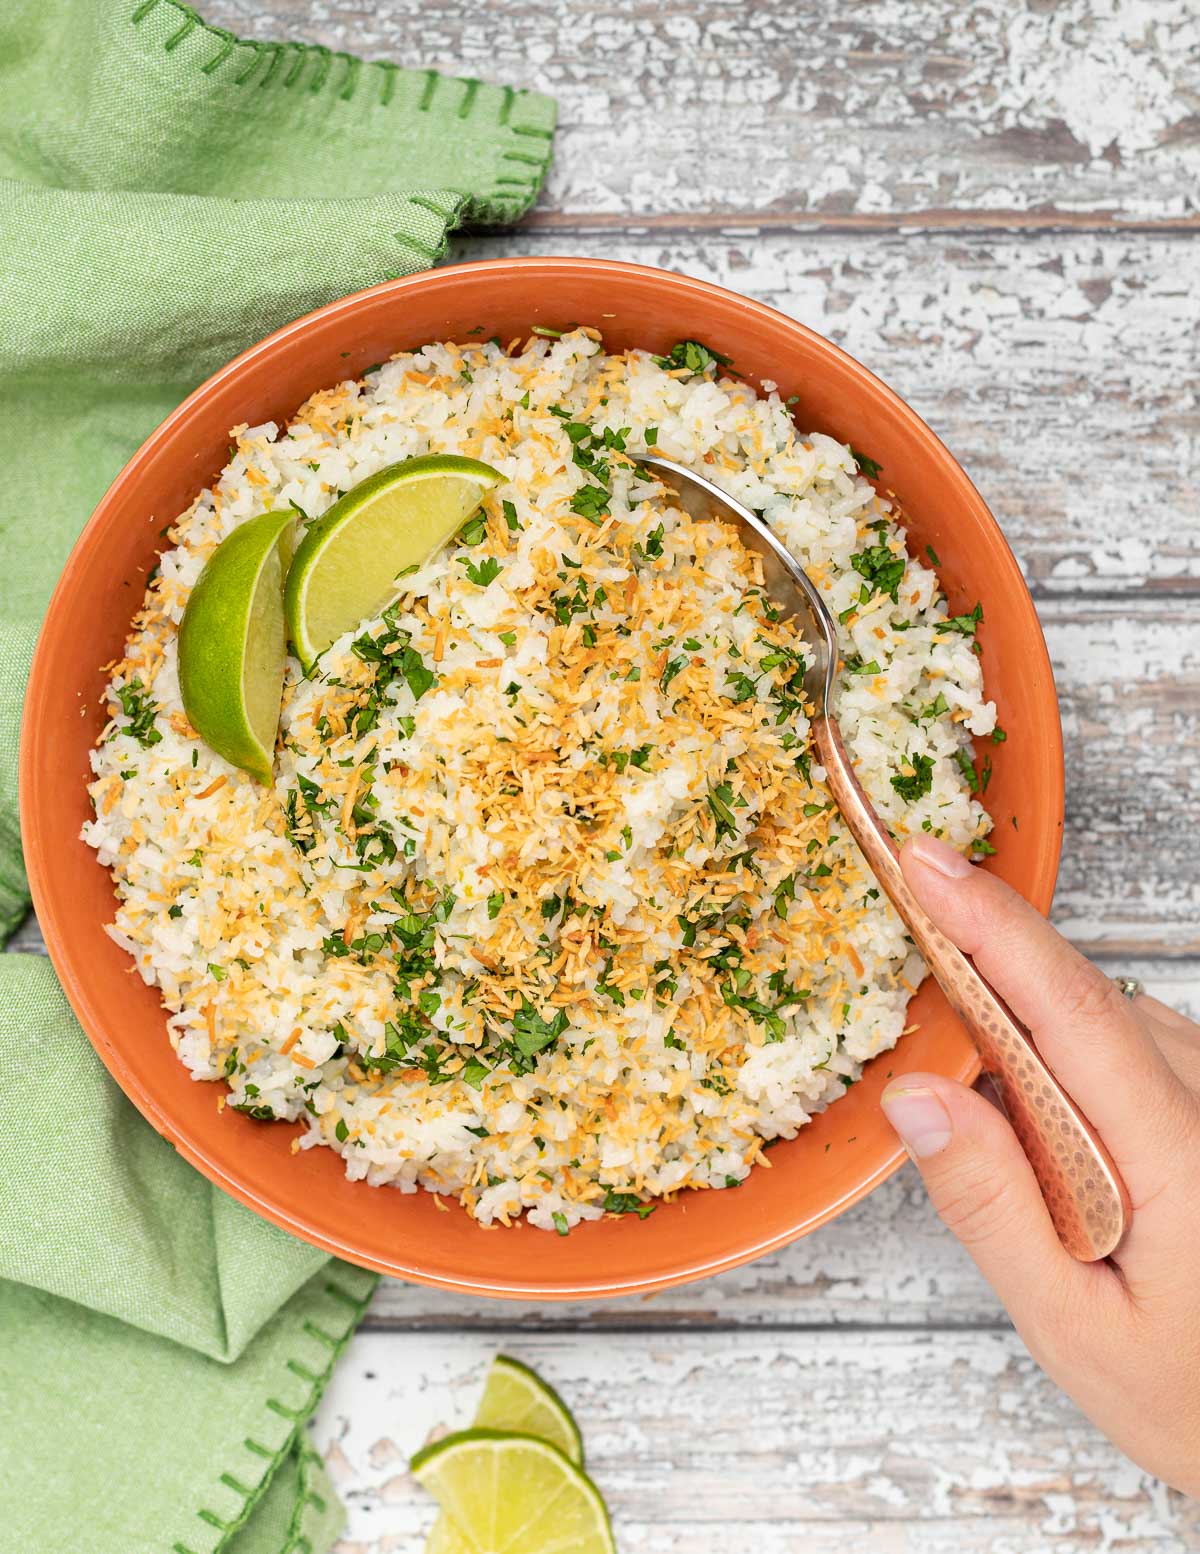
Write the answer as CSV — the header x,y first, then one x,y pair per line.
x,y
878,108
1131,727
879,1444
1063,374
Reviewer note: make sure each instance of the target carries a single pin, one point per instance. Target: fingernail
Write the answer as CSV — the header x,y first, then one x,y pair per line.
x,y
920,1119
939,855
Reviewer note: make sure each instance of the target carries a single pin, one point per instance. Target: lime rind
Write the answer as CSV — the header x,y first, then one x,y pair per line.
x,y
346,566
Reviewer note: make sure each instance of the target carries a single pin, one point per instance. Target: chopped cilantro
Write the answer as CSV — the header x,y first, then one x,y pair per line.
x,y
743,686
882,569
722,801
692,355
474,1073
474,529
915,785
965,625
672,669
484,572
870,467
590,502
259,1112
966,765
140,711
532,1033
626,1203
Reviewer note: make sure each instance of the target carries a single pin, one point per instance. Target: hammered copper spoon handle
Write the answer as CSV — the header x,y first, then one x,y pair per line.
x,y
1083,1190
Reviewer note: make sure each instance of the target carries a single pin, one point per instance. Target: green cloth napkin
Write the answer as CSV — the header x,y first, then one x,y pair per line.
x,y
169,193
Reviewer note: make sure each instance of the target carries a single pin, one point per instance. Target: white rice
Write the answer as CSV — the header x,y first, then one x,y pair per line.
x,y
648,945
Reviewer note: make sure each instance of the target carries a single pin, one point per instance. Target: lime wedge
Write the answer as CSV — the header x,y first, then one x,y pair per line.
x,y
232,647
512,1494
346,566
516,1398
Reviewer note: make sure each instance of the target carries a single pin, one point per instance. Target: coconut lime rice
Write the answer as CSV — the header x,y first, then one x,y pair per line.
x,y
547,907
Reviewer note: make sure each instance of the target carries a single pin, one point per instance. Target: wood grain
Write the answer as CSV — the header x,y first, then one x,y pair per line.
x,y
880,108
831,1443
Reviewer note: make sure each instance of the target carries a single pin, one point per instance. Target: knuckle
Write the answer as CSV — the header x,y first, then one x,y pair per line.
x,y
978,1205
1086,996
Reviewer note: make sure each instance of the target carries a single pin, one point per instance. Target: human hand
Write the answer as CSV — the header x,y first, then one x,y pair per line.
x,y
1121,1337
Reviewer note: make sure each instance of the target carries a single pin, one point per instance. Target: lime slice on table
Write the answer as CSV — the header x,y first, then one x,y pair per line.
x,y
346,566
512,1494
514,1398
232,646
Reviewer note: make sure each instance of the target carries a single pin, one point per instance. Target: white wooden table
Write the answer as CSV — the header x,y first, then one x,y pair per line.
x,y
995,205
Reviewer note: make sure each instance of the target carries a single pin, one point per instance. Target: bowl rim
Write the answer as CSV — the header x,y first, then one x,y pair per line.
x,y
1038,888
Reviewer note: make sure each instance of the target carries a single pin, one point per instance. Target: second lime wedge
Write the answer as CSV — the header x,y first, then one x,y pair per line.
x,y
345,568
516,1398
232,650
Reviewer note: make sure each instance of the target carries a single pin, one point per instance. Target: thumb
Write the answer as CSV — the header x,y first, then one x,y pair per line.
x,y
984,1191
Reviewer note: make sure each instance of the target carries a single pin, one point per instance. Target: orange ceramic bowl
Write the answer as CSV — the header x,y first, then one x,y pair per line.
x,y
836,1159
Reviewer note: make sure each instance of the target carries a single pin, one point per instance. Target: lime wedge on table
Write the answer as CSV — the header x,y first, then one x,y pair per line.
x,y
232,646
514,1398
512,1494
346,566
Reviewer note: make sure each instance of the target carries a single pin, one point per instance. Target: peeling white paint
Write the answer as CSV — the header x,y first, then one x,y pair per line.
x,y
1105,67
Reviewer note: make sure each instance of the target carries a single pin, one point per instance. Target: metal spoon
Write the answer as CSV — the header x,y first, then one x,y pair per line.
x,y
1083,1190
